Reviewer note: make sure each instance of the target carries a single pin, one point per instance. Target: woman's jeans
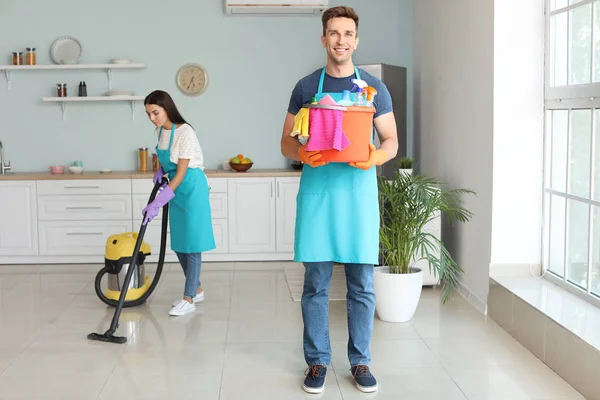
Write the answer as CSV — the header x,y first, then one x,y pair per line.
x,y
190,262
315,312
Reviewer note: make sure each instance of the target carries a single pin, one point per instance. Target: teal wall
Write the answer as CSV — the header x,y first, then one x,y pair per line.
x,y
253,64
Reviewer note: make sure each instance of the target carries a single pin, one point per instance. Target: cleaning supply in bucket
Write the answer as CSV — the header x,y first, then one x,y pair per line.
x,y
370,93
327,100
301,124
341,133
358,85
325,127
346,99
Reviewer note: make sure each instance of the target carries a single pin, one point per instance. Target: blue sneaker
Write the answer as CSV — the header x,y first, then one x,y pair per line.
x,y
365,381
315,379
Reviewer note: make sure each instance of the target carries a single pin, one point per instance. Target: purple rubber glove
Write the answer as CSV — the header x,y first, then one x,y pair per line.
x,y
158,175
162,198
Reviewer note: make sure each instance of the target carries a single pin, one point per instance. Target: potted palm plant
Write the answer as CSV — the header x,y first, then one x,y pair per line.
x,y
408,203
405,164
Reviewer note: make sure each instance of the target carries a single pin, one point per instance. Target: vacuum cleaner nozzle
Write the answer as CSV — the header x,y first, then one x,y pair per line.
x,y
107,337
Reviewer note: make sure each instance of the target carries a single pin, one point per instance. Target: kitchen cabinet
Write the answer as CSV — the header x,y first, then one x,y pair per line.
x,y
84,207
221,232
69,220
81,238
219,210
18,218
76,217
262,214
251,215
285,210
84,186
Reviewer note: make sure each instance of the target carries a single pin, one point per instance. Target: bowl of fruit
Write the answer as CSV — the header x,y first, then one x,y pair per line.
x,y
240,163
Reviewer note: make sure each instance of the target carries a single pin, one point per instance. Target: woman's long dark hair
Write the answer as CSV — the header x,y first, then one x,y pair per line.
x,y
163,99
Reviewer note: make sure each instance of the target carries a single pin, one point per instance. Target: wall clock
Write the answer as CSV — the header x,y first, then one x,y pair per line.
x,y
192,79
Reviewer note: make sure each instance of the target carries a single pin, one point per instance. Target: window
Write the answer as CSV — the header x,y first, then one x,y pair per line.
x,y
572,146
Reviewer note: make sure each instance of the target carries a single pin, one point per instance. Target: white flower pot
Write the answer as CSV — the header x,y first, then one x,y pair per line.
x,y
397,295
406,171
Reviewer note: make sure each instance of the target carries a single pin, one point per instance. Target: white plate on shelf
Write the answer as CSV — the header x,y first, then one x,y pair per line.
x,y
120,61
66,50
105,171
119,93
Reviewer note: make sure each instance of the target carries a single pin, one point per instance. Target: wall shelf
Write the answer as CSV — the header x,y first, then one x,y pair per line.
x,y
57,67
64,100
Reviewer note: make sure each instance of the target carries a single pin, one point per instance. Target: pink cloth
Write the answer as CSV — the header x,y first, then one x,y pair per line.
x,y
327,100
325,130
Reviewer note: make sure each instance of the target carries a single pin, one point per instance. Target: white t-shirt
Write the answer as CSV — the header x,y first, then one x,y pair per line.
x,y
185,145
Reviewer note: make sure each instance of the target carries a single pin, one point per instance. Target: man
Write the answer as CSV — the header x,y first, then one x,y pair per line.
x,y
337,218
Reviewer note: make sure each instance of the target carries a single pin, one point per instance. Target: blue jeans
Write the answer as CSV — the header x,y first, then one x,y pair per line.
x,y
190,262
315,312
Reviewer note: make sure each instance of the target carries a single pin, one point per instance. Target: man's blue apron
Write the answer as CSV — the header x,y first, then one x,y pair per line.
x,y
337,214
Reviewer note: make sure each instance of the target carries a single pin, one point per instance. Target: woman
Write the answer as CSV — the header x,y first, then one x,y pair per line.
x,y
181,159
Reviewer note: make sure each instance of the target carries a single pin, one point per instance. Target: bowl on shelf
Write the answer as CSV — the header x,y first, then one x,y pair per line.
x,y
240,167
75,169
57,169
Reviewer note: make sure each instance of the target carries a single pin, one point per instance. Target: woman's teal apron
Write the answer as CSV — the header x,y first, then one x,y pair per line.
x,y
337,214
189,211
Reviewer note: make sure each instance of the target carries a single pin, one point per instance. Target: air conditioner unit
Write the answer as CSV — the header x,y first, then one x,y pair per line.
x,y
276,7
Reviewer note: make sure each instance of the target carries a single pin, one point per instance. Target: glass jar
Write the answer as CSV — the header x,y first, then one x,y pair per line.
x,y
17,57
61,90
143,154
155,163
30,57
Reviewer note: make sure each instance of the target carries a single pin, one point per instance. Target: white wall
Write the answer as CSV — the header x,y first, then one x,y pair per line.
x,y
453,59
253,64
518,131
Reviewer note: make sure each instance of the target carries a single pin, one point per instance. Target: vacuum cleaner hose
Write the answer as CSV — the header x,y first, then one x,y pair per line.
x,y
159,266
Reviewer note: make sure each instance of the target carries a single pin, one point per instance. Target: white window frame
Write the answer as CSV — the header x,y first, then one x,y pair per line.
x,y
583,96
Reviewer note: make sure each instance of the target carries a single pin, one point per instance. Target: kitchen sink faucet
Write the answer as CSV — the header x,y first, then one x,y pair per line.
x,y
3,167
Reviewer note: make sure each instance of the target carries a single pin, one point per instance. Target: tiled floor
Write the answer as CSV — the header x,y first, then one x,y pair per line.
x,y
243,342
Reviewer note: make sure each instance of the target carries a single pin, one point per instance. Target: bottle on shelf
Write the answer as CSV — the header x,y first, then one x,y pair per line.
x,y
82,89
17,58
30,57
61,90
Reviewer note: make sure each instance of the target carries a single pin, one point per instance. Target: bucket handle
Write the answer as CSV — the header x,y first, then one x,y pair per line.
x,y
327,107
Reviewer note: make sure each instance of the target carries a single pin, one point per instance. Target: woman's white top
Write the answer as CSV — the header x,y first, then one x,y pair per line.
x,y
185,145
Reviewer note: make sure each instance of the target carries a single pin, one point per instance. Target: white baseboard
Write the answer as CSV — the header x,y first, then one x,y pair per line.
x,y
476,302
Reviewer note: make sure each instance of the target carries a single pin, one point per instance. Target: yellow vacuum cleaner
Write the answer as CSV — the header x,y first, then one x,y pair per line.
x,y
119,251
128,285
